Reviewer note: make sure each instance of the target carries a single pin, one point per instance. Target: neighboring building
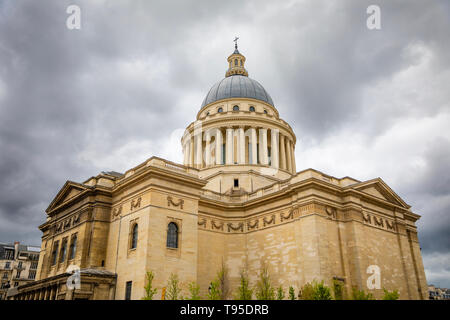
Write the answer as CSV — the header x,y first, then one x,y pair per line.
x,y
438,293
237,199
18,265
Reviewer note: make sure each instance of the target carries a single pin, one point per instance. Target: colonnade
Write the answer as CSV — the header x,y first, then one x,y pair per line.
x,y
239,145
45,293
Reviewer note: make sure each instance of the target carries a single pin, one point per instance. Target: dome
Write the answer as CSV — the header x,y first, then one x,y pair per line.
x,y
237,86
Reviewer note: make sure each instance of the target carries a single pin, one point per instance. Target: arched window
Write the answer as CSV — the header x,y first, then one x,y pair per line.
x,y
236,108
134,236
172,235
252,109
235,62
220,110
55,252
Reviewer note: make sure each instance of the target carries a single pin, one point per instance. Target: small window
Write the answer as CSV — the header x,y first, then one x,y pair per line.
x,y
207,114
73,248
252,109
236,183
265,111
128,286
172,235
236,108
63,251
55,253
235,62
220,110
134,236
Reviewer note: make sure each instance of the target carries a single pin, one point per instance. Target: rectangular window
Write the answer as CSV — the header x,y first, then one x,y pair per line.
x,y
7,265
236,183
73,247
34,265
128,290
5,275
224,153
55,253
20,265
18,274
32,274
63,250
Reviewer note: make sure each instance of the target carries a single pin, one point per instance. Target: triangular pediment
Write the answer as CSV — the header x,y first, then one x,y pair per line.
x,y
379,189
69,191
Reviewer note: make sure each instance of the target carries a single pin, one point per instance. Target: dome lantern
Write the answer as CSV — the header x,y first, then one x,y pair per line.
x,y
236,62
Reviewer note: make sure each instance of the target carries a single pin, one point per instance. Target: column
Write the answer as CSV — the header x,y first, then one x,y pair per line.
x,y
185,153
294,169
282,153
198,150
274,147
218,147
241,146
263,146
191,151
208,148
229,146
288,155
254,143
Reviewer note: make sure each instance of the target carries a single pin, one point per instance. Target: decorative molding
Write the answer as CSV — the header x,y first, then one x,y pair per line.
x,y
251,226
379,222
117,211
170,201
239,227
331,212
289,216
268,222
218,226
135,203
202,222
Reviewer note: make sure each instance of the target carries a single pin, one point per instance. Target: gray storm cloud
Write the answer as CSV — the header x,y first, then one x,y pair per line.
x,y
108,96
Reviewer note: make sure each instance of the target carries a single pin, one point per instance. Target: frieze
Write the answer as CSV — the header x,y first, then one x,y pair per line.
x,y
202,222
135,203
331,212
254,225
289,216
179,203
216,226
269,221
379,222
239,227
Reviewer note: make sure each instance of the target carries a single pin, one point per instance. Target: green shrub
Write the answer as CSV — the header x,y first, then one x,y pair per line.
x,y
315,291
391,295
173,288
361,295
244,291
291,293
149,290
194,290
264,289
214,290
280,293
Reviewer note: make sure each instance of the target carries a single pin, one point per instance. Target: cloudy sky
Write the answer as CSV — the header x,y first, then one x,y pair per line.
x,y
363,103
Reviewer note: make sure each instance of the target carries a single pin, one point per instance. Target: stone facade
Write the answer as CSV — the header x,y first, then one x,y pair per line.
x,y
237,199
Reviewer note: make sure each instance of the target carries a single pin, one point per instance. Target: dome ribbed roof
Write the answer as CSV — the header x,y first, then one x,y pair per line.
x,y
237,86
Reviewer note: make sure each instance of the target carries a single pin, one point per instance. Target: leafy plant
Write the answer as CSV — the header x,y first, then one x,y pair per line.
x,y
173,288
149,290
264,289
194,290
222,277
244,291
315,291
391,295
361,295
291,293
214,292
280,293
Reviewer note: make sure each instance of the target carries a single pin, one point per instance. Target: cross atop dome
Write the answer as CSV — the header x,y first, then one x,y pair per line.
x,y
236,62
